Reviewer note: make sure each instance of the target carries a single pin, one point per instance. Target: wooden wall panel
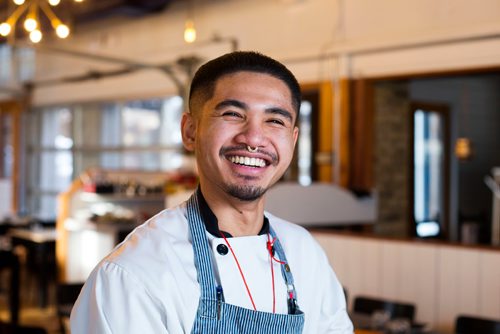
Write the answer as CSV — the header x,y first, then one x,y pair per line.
x,y
355,269
468,282
335,251
489,285
441,280
390,270
372,256
448,288
423,269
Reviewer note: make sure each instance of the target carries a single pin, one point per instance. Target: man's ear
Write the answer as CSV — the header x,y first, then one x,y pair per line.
x,y
295,135
188,129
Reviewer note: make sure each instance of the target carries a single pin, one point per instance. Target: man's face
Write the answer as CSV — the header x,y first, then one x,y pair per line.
x,y
246,109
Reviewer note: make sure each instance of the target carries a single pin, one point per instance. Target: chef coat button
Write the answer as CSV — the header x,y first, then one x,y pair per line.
x,y
222,249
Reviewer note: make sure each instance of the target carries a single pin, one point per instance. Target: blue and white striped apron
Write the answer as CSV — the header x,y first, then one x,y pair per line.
x,y
214,315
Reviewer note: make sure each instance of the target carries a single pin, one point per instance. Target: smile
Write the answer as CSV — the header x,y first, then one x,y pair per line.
x,y
246,161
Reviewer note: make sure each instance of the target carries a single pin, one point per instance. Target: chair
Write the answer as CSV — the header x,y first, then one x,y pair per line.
x,y
10,261
465,324
66,295
18,329
368,305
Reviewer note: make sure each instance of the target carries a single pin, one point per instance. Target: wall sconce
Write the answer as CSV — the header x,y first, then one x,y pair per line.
x,y
463,149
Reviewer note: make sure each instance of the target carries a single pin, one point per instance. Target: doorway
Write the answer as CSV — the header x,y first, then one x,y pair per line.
x,y
429,177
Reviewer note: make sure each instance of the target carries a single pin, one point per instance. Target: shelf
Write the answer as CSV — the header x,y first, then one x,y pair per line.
x,y
94,197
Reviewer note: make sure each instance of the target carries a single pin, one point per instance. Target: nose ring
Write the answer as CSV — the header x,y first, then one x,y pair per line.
x,y
252,149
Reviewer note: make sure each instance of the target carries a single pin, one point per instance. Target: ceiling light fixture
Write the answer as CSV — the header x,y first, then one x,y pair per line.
x,y
189,29
30,9
189,32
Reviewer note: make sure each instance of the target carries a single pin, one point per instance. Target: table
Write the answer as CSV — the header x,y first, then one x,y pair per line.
x,y
40,245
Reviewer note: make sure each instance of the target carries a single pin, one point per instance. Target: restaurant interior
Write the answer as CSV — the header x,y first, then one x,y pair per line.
x,y
396,171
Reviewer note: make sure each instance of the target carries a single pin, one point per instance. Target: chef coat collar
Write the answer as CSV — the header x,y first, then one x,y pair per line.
x,y
211,223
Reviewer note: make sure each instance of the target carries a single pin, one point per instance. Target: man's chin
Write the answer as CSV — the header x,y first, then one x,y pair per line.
x,y
246,193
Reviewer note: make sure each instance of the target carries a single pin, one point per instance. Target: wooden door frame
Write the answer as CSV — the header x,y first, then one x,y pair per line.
x,y
14,109
325,152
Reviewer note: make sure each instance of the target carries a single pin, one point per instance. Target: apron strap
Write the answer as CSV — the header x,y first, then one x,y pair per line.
x,y
202,257
286,272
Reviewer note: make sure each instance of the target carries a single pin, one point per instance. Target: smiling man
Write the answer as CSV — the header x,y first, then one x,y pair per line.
x,y
219,263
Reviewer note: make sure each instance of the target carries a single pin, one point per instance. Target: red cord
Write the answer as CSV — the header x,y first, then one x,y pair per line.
x,y
270,245
270,250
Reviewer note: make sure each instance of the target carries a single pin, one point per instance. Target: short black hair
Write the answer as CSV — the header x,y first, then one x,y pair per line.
x,y
203,83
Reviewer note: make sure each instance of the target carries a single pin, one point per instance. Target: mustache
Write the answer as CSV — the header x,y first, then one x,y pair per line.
x,y
238,148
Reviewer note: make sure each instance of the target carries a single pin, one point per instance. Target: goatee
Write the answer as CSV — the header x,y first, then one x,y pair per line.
x,y
246,193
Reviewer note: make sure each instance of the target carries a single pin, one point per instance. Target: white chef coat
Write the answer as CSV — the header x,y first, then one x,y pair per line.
x,y
148,284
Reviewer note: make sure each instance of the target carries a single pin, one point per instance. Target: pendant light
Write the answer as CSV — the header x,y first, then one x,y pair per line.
x,y
30,11
189,29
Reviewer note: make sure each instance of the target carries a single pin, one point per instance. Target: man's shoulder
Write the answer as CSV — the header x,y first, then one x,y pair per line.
x,y
153,238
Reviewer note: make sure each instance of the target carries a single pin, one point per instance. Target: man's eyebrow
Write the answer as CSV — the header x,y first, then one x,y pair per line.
x,y
230,103
241,105
283,112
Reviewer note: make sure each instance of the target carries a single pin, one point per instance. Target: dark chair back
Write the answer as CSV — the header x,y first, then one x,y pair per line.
x,y
368,305
475,325
17,329
66,295
9,261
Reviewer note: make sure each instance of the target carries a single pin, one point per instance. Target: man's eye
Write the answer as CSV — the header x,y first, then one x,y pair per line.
x,y
276,121
231,114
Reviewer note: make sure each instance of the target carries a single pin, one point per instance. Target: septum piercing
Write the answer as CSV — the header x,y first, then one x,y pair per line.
x,y
252,149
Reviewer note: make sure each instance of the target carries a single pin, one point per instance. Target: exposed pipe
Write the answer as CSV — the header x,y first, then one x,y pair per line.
x,y
187,64
388,48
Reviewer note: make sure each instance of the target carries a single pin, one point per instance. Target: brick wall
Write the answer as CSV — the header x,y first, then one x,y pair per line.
x,y
392,154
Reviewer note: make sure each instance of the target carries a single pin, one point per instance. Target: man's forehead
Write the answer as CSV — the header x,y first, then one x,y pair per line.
x,y
244,77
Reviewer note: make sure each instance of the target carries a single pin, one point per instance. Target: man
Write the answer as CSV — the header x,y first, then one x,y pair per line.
x,y
218,263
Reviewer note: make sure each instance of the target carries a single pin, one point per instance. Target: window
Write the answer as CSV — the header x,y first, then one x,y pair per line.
x,y
66,140
429,171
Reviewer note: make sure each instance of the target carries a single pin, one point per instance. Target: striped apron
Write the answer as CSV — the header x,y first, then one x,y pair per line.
x,y
214,315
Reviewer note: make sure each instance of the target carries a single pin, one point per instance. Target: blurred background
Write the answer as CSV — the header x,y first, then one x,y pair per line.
x,y
396,172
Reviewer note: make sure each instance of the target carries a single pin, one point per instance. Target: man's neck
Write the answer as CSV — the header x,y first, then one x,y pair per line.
x,y
238,218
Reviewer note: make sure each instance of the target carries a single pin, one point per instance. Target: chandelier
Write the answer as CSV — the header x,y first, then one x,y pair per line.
x,y
30,10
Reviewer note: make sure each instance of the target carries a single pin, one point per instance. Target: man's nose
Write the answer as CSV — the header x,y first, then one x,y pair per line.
x,y
253,134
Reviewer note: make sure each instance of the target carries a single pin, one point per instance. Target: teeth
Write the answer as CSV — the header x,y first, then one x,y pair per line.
x,y
253,162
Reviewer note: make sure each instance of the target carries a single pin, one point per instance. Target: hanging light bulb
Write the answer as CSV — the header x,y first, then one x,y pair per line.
x,y
18,2
62,30
36,36
30,24
5,29
189,32
54,2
